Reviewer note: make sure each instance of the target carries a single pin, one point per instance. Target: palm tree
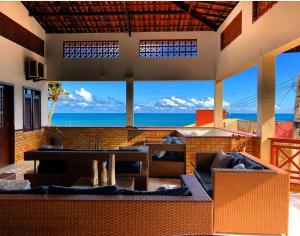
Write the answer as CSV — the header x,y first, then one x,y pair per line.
x,y
55,90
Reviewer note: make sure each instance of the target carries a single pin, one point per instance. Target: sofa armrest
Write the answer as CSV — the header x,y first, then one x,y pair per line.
x,y
204,160
251,201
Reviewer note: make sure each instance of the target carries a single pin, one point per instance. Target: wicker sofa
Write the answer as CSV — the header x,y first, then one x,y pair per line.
x,y
248,200
108,215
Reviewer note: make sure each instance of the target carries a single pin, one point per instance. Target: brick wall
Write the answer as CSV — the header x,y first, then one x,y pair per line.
x,y
25,141
215,144
109,138
112,138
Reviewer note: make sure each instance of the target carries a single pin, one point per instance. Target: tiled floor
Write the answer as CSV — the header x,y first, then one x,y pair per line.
x,y
154,183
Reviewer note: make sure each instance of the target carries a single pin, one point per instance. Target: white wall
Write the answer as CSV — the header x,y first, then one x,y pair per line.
x,y
12,58
201,67
276,31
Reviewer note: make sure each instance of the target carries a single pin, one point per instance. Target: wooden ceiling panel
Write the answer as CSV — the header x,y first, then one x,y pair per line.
x,y
130,16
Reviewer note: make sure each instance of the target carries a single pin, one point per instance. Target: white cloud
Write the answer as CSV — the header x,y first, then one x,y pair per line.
x,y
82,100
83,104
182,101
86,95
277,108
168,102
173,104
71,96
137,108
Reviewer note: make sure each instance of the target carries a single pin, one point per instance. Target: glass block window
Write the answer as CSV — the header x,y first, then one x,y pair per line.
x,y
168,48
91,49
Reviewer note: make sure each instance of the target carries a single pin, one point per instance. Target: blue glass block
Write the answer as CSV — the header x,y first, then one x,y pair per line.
x,y
66,49
71,49
77,50
182,54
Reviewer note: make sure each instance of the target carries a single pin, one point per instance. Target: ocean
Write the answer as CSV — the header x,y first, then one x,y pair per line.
x,y
141,119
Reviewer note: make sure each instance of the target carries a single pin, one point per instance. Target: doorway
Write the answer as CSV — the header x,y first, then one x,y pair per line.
x,y
7,127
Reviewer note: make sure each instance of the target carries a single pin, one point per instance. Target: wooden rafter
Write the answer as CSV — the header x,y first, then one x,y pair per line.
x,y
137,16
127,19
186,8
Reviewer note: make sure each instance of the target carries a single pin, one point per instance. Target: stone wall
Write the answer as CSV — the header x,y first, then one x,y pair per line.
x,y
25,141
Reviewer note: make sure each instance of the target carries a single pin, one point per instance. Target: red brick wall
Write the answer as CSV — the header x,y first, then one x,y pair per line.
x,y
232,31
25,141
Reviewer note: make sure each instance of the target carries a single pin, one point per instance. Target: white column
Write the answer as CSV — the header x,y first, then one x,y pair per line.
x,y
218,104
266,104
129,103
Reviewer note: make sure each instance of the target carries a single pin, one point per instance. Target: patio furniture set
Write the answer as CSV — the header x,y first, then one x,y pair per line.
x,y
233,192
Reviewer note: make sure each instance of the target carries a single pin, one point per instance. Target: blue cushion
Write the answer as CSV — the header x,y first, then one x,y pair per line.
x,y
103,190
126,167
36,190
204,179
171,156
237,158
182,191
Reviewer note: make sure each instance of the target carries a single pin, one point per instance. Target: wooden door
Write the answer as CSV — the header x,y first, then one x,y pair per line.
x,y
6,125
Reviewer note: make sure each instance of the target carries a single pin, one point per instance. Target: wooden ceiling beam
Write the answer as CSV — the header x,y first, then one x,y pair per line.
x,y
186,8
113,27
127,19
104,13
219,4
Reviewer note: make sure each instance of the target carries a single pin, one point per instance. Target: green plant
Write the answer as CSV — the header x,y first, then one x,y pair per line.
x,y
55,90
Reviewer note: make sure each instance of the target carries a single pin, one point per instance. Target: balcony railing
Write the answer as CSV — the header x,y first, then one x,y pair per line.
x,y
285,154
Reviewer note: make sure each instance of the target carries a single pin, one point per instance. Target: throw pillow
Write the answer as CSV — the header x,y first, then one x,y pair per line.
x,y
14,185
221,160
239,166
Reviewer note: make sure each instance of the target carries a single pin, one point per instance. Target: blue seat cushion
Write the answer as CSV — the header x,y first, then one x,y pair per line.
x,y
181,191
35,190
204,178
103,190
237,158
171,156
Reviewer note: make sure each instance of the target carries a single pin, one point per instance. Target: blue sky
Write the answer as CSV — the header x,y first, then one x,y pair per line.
x,y
183,97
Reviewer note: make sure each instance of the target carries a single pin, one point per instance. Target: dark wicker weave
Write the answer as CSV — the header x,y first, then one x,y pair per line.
x,y
107,215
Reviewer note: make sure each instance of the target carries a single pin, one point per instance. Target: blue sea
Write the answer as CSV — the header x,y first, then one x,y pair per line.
x,y
141,119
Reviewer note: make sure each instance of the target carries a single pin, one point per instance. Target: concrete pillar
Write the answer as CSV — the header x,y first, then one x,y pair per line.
x,y
129,103
218,104
266,104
